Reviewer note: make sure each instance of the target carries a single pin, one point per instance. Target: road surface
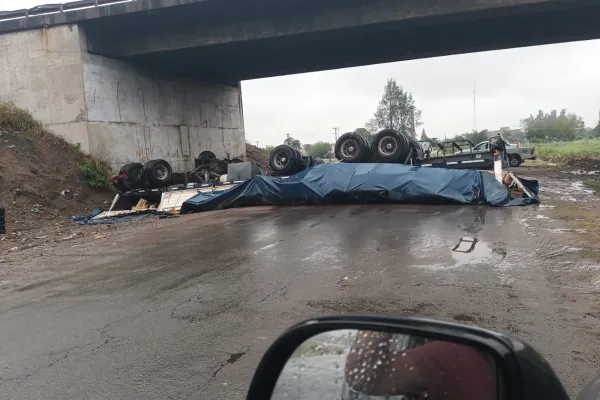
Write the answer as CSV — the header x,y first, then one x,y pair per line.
x,y
184,308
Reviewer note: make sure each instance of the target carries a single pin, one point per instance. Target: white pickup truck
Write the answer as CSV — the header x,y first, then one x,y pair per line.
x,y
516,154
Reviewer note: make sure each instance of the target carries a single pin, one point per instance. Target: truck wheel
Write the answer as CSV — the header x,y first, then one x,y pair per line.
x,y
390,146
206,157
133,178
284,160
515,160
352,148
158,173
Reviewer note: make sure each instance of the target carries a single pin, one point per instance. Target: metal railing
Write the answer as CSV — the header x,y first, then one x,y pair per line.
x,y
57,8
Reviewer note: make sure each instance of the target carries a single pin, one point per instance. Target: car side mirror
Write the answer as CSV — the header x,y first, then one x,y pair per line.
x,y
349,357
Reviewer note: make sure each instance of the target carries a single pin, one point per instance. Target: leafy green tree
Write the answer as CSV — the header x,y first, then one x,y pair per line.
x,y
320,149
553,126
396,110
306,148
364,132
425,138
269,148
295,143
596,131
477,137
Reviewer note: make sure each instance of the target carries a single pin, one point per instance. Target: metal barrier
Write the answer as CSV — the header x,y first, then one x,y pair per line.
x,y
57,8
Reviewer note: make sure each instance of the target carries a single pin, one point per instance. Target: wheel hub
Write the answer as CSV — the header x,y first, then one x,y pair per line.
x,y
160,172
280,160
388,146
349,148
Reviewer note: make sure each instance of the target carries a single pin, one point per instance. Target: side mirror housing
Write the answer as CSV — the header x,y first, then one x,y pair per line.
x,y
403,356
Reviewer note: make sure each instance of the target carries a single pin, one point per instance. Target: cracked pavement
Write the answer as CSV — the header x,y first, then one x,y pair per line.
x,y
184,308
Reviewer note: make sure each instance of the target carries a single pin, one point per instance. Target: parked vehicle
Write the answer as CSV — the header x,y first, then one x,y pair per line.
x,y
516,154
375,357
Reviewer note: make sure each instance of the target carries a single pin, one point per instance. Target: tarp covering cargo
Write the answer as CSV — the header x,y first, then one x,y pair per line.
x,y
343,183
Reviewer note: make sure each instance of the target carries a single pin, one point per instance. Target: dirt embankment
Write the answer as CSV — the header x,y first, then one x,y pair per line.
x,y
257,155
41,185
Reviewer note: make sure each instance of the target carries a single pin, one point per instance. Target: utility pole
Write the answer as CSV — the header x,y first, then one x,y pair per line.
x,y
336,130
474,109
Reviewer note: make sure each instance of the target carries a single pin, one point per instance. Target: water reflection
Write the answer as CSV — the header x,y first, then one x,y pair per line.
x,y
351,364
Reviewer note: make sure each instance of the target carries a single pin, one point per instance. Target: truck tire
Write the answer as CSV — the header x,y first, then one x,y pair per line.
x,y
310,161
134,178
206,157
352,148
390,146
514,160
158,173
284,160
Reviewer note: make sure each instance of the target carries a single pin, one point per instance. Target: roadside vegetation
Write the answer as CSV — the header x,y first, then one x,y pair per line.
x,y
20,121
567,152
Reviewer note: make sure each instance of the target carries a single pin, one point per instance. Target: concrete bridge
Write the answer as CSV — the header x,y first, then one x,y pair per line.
x,y
143,79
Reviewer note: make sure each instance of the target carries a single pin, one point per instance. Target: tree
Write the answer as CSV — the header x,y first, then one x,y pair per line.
x,y
306,148
320,149
597,129
295,143
553,126
475,137
396,110
364,133
269,148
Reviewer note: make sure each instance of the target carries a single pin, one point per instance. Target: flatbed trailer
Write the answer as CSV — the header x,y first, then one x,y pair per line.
x,y
459,155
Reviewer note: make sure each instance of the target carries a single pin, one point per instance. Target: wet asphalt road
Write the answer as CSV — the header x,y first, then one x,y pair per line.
x,y
185,308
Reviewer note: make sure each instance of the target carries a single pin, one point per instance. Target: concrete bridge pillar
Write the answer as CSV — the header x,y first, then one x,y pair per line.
x,y
114,110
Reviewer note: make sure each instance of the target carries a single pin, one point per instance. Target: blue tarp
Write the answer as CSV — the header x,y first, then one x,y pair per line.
x,y
343,183
87,219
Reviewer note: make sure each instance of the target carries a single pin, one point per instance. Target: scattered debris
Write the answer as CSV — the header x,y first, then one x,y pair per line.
x,y
582,172
67,194
72,236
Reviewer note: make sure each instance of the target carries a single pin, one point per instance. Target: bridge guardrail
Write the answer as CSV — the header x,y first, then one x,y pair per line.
x,y
57,8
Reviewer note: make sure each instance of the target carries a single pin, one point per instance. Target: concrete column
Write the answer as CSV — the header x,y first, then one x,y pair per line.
x,y
117,111
41,71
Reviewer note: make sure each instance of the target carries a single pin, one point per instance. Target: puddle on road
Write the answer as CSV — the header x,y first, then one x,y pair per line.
x,y
471,251
466,251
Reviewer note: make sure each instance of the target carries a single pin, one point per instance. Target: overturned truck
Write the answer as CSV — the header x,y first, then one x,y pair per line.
x,y
391,146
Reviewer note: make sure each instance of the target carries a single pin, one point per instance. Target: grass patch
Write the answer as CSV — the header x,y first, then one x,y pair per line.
x,y
567,152
593,185
17,120
95,173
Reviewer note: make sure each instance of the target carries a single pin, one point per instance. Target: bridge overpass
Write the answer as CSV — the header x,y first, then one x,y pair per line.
x,y
140,79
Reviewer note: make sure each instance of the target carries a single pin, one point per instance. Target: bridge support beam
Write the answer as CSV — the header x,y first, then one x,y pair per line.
x,y
117,111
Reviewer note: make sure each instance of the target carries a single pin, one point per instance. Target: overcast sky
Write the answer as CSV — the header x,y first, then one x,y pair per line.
x,y
510,85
